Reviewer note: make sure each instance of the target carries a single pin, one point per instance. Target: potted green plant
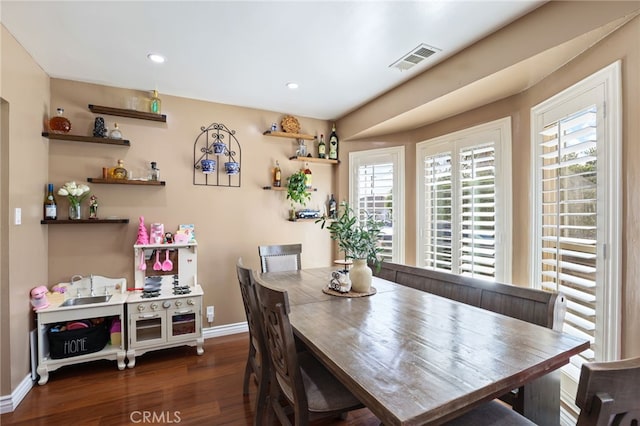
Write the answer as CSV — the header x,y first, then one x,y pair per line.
x,y
359,240
297,191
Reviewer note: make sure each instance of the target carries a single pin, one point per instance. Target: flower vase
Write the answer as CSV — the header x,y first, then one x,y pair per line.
x,y
75,212
360,275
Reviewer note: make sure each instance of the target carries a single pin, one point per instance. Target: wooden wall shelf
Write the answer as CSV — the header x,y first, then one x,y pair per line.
x,y
81,221
89,139
131,113
127,182
315,160
289,135
283,188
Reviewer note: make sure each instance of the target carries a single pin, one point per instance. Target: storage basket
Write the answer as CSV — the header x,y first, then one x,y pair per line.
x,y
65,344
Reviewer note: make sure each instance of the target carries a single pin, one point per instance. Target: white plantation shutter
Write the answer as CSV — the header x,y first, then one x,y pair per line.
x,y
478,211
436,249
464,202
576,242
568,172
375,188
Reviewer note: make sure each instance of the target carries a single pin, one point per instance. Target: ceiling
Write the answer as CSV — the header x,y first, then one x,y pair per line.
x,y
243,53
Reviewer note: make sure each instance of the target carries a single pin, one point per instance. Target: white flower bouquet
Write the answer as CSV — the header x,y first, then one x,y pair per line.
x,y
75,193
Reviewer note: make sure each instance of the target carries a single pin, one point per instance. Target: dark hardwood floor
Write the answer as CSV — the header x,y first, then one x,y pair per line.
x,y
171,386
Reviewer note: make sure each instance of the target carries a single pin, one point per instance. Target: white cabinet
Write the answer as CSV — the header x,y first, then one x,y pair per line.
x,y
56,314
164,323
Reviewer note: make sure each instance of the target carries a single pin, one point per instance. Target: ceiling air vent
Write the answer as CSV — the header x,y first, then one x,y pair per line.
x,y
414,57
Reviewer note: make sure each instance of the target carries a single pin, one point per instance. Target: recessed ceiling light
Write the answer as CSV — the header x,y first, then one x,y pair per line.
x,y
292,85
157,58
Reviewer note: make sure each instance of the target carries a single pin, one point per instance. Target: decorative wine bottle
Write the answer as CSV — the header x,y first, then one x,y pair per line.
x,y
277,175
119,172
59,123
307,175
50,205
155,104
333,144
322,148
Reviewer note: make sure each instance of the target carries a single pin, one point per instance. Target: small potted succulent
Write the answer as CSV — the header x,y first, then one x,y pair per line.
x,y
297,191
359,240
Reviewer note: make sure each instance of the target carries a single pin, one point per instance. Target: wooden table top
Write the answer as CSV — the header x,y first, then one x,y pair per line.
x,y
413,357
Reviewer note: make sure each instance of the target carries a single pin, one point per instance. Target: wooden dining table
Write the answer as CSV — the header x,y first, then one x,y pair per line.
x,y
415,358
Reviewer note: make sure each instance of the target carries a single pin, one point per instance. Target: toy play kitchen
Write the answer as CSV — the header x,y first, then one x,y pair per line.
x,y
94,317
164,308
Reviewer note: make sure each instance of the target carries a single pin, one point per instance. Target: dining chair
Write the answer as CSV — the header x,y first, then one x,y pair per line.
x,y
257,362
608,394
297,379
281,257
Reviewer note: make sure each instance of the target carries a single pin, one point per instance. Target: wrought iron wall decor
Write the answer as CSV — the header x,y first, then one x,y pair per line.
x,y
217,157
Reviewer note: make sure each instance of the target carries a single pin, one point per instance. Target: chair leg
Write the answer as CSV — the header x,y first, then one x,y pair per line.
x,y
262,403
247,376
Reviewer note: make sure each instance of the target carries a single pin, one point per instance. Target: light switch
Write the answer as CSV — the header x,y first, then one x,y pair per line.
x,y
18,217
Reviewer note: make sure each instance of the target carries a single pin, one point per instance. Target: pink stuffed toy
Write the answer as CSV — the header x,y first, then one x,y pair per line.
x,y
39,297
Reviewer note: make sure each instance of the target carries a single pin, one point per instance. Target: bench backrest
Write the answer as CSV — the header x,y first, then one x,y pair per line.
x,y
534,306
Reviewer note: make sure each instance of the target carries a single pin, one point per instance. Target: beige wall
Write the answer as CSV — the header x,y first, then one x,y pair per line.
x,y
25,89
229,222
623,44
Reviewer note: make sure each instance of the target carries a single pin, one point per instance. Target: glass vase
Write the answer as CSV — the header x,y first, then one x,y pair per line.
x,y
75,212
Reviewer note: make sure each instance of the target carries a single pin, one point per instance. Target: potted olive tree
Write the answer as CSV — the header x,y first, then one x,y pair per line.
x,y
358,239
297,191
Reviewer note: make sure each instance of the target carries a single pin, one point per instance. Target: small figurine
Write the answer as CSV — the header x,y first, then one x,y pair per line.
x,y
39,297
99,130
93,207
168,236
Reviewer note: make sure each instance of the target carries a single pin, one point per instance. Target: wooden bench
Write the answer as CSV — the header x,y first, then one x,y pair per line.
x,y
527,304
535,306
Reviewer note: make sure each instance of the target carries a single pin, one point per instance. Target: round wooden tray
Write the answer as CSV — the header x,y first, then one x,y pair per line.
x,y
350,293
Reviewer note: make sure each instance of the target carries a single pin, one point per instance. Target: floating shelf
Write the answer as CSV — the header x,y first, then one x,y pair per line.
x,y
89,139
79,221
127,182
306,219
289,135
283,188
131,113
315,160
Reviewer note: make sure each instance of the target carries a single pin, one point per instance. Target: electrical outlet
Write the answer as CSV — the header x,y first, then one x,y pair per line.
x,y
18,216
210,313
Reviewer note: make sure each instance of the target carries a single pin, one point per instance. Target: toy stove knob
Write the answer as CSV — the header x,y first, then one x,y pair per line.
x,y
190,302
166,304
154,306
141,308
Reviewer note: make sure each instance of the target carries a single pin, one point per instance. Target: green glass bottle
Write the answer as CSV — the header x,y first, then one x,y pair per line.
x,y
333,144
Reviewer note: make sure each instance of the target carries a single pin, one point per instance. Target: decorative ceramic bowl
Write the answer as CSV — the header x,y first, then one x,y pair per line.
x,y
232,167
219,148
208,166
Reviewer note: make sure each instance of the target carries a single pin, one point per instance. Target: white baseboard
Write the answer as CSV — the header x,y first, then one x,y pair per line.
x,y
225,330
10,402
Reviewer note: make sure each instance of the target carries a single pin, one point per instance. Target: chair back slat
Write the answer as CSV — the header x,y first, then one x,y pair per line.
x,y
282,257
609,393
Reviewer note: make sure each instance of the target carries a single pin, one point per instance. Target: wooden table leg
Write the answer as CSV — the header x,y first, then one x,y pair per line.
x,y
542,399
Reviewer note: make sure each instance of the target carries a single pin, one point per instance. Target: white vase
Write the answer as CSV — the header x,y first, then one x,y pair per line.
x,y
360,275
75,212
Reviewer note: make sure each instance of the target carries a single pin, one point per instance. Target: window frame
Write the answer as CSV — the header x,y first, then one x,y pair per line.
x,y
609,252
395,155
455,142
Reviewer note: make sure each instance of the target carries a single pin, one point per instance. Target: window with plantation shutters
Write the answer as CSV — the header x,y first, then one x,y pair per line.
x,y
576,237
464,210
376,189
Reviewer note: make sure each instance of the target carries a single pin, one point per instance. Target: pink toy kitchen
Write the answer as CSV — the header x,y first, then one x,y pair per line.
x,y
95,317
